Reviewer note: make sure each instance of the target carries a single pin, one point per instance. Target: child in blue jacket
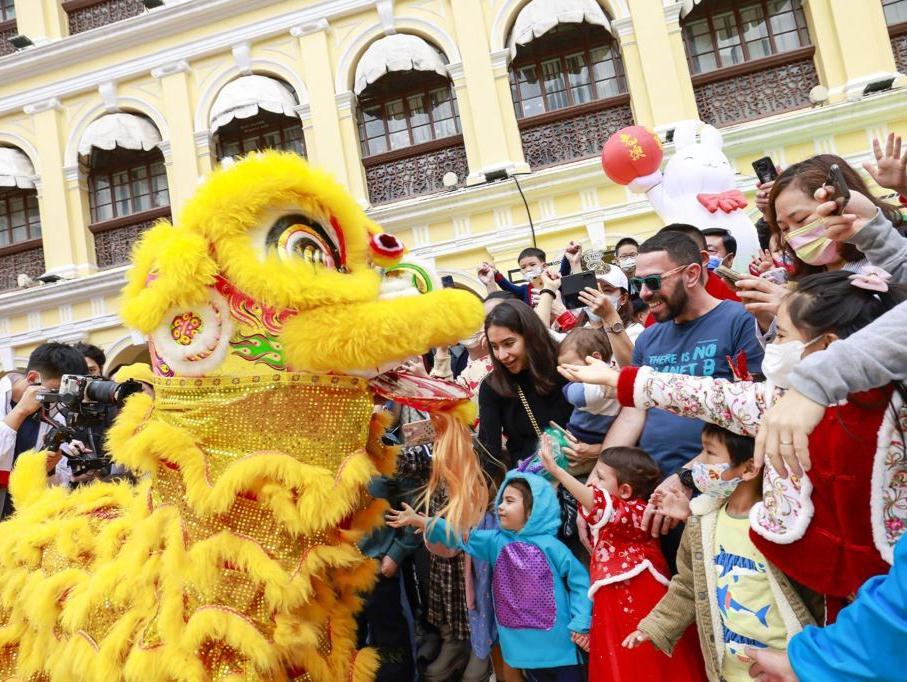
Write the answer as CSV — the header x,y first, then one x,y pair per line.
x,y
539,587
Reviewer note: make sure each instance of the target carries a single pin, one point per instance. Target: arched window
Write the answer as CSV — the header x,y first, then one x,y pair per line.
x,y
719,35
567,80
253,113
748,59
570,65
21,251
127,182
409,124
7,26
896,18
406,110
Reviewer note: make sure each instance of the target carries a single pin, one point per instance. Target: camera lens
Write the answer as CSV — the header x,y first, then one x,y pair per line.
x,y
102,392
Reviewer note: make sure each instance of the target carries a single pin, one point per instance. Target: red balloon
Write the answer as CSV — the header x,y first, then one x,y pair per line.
x,y
631,153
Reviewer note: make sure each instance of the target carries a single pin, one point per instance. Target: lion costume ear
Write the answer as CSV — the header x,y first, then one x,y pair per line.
x,y
171,267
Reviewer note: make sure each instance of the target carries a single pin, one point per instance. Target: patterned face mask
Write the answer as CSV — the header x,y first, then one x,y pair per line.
x,y
811,245
707,479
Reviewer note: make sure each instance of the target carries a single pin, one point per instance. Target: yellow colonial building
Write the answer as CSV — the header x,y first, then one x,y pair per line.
x,y
113,111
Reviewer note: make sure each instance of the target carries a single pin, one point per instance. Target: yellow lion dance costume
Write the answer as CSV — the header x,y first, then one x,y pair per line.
x,y
235,557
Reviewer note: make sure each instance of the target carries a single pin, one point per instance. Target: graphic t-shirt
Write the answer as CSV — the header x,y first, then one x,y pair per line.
x,y
749,614
698,348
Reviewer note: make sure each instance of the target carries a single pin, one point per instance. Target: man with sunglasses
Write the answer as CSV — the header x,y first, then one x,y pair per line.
x,y
694,334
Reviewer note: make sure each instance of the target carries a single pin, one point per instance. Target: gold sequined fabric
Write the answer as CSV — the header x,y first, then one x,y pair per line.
x,y
315,419
239,560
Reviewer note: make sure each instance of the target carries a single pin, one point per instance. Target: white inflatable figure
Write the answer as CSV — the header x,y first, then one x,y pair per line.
x,y
698,187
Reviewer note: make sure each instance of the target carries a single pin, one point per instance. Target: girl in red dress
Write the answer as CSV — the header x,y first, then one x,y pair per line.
x,y
629,574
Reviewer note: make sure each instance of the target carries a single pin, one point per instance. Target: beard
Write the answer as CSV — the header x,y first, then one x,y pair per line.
x,y
673,303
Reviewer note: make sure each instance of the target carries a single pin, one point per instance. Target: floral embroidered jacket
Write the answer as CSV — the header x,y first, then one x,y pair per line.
x,y
859,466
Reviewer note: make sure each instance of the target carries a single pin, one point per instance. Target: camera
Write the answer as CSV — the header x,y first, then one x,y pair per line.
x,y
89,405
86,394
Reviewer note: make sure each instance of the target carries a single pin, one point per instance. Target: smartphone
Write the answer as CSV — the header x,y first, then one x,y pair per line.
x,y
571,285
836,181
561,429
776,275
418,433
447,281
727,273
765,169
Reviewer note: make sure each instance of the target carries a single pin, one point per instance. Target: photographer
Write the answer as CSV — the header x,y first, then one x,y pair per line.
x,y
94,434
21,428
94,358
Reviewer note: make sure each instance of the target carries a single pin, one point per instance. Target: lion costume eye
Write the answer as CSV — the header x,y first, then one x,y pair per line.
x,y
298,236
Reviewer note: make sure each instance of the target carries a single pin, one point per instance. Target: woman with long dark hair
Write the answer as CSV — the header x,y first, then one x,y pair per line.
x,y
524,392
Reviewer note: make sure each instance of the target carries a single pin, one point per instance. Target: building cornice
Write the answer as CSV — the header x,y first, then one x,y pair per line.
x,y
145,29
64,292
66,333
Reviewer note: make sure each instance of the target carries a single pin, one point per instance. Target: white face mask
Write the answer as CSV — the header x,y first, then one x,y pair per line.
x,y
534,273
615,301
707,479
627,264
780,360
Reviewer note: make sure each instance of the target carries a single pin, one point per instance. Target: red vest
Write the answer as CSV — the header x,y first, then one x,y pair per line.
x,y
836,555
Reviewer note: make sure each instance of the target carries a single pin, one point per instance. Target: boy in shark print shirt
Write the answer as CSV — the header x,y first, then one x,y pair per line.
x,y
724,583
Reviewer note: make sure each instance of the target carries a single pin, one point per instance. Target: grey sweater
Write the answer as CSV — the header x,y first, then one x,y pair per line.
x,y
877,354
883,246
874,356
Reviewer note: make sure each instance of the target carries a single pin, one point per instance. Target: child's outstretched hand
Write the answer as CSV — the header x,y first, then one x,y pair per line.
x,y
634,639
595,371
671,503
581,639
548,461
404,517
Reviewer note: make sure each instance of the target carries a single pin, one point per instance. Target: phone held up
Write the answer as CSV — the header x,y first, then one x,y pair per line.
x,y
765,169
727,273
571,285
836,181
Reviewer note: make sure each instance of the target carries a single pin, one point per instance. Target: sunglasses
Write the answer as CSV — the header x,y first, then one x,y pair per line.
x,y
652,282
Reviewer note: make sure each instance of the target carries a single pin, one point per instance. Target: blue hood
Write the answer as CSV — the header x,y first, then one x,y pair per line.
x,y
545,518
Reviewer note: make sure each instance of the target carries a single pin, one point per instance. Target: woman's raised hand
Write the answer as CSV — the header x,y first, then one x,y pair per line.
x,y
891,169
761,298
858,211
595,371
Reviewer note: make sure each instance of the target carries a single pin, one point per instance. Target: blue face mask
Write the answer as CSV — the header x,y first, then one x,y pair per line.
x,y
713,263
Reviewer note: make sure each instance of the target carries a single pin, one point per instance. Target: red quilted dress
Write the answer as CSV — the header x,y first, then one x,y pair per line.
x,y
629,576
